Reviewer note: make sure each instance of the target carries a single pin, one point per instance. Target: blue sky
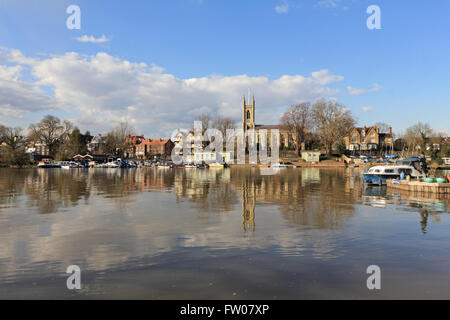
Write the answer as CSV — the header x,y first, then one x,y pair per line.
x,y
165,62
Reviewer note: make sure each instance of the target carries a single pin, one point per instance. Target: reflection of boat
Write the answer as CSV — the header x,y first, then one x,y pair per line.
x,y
279,165
408,167
216,165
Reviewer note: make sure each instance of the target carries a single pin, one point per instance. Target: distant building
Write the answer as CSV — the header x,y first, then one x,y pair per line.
x,y
368,138
132,145
150,148
311,156
38,149
285,138
97,146
210,157
436,143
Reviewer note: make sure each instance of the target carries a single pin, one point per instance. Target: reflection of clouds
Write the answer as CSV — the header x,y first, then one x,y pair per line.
x,y
102,219
107,218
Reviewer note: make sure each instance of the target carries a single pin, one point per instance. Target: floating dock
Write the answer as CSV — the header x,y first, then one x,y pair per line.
x,y
418,186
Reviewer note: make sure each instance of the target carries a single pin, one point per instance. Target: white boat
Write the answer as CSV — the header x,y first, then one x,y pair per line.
x,y
69,165
412,167
47,164
112,164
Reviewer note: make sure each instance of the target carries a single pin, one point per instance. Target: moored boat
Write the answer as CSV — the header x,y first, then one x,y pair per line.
x,y
48,164
412,167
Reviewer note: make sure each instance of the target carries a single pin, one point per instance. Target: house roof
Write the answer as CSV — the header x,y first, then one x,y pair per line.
x,y
156,142
270,126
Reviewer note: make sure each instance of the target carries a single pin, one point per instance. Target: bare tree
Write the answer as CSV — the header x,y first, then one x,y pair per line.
x,y
223,124
384,127
332,122
298,119
117,141
51,131
13,145
418,135
207,121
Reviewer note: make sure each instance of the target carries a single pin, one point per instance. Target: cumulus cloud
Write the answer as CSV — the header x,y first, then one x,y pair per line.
x,y
326,77
284,8
101,90
367,109
18,97
356,92
92,39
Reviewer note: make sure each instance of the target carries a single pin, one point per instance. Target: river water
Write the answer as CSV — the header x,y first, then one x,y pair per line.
x,y
217,234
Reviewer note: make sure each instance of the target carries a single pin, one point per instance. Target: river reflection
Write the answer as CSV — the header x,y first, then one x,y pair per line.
x,y
217,233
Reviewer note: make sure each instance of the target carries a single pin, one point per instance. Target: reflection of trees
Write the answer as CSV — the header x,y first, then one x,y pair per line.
x,y
209,190
310,196
11,185
321,198
50,190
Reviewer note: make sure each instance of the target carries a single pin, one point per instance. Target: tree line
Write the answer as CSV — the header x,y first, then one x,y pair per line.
x,y
62,139
320,125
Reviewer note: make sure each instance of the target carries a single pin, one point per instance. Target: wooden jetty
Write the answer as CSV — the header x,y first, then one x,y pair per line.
x,y
419,186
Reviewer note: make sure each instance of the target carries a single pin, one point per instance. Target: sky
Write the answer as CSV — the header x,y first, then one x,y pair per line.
x,y
160,64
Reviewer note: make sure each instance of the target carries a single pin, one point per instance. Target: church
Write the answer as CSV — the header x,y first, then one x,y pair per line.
x,y
285,138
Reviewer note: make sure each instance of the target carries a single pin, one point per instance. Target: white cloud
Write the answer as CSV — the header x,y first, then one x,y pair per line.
x,y
444,130
17,96
284,8
93,39
100,90
329,3
356,92
367,109
325,77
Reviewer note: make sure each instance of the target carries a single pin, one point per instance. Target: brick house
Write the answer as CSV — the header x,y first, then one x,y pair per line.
x,y
368,138
157,147
132,143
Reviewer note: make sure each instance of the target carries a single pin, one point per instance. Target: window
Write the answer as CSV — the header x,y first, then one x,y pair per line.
x,y
248,115
389,171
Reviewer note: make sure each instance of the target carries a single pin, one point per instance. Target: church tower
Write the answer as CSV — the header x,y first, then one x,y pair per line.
x,y
248,115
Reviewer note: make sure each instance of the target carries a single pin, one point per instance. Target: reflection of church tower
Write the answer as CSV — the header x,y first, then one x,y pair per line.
x,y
248,115
248,206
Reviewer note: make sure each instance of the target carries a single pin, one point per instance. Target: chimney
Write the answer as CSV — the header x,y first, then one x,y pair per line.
x,y
390,131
